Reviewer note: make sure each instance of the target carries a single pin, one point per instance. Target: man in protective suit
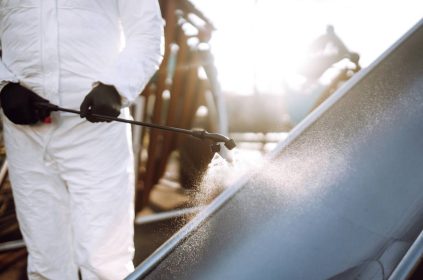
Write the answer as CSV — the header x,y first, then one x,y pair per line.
x,y
72,177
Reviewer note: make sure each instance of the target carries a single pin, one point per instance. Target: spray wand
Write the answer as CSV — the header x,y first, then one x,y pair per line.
x,y
200,134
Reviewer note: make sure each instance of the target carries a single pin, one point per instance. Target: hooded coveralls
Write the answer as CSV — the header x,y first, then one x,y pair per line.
x,y
73,180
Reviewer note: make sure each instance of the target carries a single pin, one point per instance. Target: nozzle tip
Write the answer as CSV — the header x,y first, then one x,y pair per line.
x,y
230,144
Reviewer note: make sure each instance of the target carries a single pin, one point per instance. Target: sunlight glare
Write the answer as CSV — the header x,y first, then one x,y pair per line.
x,y
261,43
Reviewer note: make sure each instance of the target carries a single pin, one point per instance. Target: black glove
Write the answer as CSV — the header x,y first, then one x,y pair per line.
x,y
20,104
102,100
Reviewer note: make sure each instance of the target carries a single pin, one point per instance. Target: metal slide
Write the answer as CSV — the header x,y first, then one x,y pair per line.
x,y
341,198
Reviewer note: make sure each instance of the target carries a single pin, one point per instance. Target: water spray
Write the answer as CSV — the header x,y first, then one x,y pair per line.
x,y
200,134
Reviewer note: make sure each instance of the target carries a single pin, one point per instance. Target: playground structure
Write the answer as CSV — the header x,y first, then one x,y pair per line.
x,y
186,80
339,199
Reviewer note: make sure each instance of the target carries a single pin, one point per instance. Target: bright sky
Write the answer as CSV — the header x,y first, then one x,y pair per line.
x,y
259,42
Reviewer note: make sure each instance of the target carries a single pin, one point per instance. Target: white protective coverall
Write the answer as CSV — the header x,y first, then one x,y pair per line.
x,y
73,180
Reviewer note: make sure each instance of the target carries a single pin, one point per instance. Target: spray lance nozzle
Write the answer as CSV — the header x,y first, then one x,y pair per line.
x,y
201,134
216,138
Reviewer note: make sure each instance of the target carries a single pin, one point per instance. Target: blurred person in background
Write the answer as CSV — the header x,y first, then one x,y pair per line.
x,y
323,52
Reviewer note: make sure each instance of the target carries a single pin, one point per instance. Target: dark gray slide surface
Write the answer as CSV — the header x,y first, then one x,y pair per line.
x,y
343,199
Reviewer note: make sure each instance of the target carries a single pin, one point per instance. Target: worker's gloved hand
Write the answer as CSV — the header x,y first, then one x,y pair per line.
x,y
20,104
102,100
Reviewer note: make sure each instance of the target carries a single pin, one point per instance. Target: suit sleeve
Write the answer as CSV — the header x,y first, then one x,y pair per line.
x,y
142,25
